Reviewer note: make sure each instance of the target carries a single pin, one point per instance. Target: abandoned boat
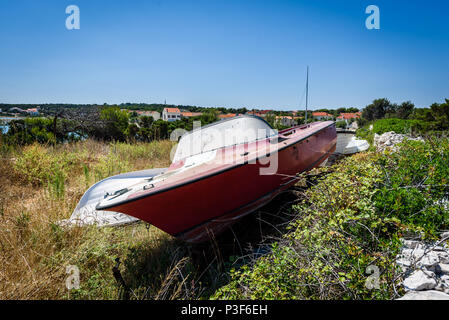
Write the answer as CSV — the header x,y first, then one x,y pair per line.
x,y
347,143
220,173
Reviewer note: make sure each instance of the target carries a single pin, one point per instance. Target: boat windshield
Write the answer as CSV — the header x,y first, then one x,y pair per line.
x,y
224,133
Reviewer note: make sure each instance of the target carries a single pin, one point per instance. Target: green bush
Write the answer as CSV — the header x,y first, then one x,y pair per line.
x,y
351,219
402,126
416,181
336,236
341,124
397,125
39,166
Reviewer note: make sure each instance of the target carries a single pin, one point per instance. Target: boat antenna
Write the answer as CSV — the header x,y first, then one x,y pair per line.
x,y
307,91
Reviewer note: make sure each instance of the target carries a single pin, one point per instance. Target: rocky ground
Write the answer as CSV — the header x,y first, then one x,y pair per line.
x,y
390,140
426,269
425,265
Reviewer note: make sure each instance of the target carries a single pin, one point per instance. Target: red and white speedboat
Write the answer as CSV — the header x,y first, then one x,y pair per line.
x,y
222,172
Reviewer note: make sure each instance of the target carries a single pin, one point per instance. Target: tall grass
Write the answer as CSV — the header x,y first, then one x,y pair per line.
x,y
40,185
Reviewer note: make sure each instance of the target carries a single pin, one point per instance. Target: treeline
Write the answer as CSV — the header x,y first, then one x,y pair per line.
x,y
51,107
99,123
338,111
432,119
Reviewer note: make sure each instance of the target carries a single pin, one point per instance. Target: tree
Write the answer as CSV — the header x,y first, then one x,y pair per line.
x,y
117,122
405,110
440,114
377,110
146,121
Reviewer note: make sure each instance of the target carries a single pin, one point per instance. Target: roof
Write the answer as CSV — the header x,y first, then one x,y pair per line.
x,y
349,115
143,113
321,114
191,114
228,115
172,110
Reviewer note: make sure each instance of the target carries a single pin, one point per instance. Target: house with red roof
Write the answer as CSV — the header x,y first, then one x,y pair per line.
x,y
171,114
322,116
349,117
264,113
288,121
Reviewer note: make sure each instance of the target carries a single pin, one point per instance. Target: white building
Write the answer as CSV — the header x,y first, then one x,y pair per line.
x,y
33,111
156,115
171,114
288,121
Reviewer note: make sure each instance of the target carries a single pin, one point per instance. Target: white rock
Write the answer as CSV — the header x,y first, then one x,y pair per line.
x,y
404,262
420,280
445,235
428,261
413,254
389,139
425,295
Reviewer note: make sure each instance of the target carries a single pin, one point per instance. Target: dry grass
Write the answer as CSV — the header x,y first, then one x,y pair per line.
x,y
40,185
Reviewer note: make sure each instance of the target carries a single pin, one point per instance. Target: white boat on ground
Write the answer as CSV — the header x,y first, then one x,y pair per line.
x,y
85,212
347,143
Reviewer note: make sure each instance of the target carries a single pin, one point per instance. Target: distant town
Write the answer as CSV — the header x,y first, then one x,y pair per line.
x,y
171,113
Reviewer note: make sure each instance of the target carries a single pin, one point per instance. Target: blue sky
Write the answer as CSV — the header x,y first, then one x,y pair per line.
x,y
224,53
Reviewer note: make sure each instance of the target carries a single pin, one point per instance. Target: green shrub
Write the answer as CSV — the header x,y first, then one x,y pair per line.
x,y
402,126
416,180
336,236
38,165
341,124
351,219
397,125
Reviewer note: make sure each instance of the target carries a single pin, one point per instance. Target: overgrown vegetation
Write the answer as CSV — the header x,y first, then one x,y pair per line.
x,y
404,118
353,218
98,123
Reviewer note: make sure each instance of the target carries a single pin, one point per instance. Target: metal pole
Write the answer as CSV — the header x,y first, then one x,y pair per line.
x,y
307,91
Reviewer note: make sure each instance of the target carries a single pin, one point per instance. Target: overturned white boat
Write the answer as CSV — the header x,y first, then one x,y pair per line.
x,y
347,143
85,213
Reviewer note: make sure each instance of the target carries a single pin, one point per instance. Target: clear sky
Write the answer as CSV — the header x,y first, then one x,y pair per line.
x,y
226,53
